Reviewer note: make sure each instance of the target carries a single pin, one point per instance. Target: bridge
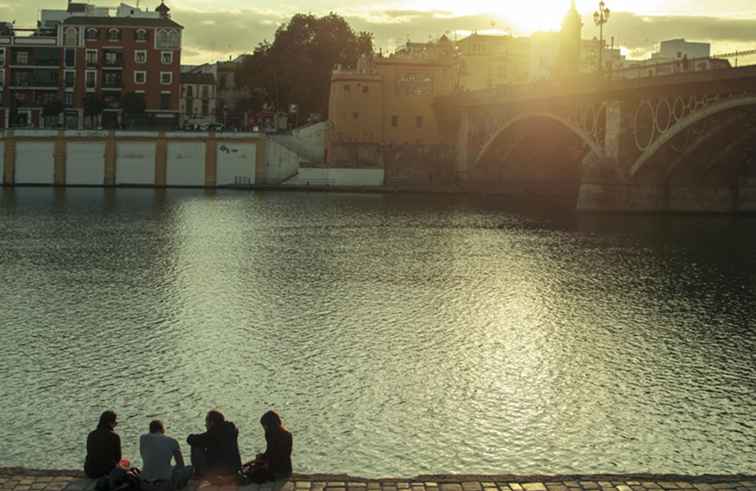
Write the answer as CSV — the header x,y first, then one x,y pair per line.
x,y
683,142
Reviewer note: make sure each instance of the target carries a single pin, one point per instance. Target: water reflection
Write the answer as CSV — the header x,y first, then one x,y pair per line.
x,y
397,334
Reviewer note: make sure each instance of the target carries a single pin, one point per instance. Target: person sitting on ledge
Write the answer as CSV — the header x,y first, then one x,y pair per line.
x,y
157,450
103,447
275,463
215,452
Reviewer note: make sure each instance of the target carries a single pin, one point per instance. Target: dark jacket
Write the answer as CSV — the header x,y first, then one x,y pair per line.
x,y
221,447
103,452
278,452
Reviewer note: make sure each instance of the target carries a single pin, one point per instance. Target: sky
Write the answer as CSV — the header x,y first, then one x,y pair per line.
x,y
219,29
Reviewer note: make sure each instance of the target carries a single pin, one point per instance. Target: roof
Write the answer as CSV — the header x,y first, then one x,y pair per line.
x,y
122,21
197,78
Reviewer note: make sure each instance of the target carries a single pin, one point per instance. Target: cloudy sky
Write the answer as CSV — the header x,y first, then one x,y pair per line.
x,y
217,29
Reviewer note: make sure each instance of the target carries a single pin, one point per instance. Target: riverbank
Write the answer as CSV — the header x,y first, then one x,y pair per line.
x,y
22,479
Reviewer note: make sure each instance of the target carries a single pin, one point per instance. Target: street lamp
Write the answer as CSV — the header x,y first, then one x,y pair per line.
x,y
601,17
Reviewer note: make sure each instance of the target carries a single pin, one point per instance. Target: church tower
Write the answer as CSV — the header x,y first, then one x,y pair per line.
x,y
570,40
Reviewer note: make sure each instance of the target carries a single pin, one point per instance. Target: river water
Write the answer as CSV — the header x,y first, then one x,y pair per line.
x,y
395,334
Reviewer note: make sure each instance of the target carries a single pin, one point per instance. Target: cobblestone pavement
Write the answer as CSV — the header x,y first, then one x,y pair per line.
x,y
15,479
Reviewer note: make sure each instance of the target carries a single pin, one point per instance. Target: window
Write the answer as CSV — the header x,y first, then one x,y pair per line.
x,y
114,35
189,91
70,57
90,79
347,89
2,77
92,34
395,121
112,79
91,56
168,38
365,89
140,78
205,107
68,99
71,36
111,58
165,100
419,122
69,77
166,78
355,115
205,92
166,57
140,56
2,56
140,35
22,57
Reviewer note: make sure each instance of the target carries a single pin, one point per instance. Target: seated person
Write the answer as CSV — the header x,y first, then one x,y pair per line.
x,y
216,451
157,450
103,447
275,463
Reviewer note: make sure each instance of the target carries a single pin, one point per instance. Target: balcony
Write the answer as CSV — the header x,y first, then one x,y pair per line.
x,y
35,80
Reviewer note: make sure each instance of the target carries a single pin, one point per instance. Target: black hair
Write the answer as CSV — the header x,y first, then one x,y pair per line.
x,y
156,426
215,417
271,421
107,418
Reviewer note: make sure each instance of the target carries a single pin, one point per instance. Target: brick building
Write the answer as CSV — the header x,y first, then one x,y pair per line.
x,y
85,58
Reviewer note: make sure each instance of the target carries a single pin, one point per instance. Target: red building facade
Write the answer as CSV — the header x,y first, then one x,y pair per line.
x,y
88,62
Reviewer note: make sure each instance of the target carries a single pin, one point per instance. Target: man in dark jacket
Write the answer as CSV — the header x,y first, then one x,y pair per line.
x,y
103,447
216,451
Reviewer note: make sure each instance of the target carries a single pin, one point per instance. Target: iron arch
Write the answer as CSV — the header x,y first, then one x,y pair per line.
x,y
685,123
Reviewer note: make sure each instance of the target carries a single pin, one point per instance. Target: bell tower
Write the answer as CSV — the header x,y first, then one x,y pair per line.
x,y
570,40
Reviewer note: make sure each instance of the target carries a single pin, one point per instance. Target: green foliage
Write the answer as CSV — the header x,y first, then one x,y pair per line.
x,y
52,109
296,67
134,108
93,105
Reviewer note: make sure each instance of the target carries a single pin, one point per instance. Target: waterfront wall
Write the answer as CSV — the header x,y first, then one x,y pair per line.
x,y
159,159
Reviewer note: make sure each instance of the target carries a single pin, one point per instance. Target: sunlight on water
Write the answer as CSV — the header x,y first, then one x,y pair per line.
x,y
397,335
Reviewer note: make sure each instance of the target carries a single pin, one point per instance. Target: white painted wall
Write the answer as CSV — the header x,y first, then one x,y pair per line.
x,y
186,164
35,163
85,163
280,162
337,177
135,163
235,160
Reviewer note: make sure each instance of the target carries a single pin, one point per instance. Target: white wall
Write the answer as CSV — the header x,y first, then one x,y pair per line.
x,y
337,177
35,163
135,163
85,163
186,164
235,160
280,162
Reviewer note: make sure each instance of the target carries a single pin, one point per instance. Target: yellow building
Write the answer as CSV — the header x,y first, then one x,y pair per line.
x,y
389,100
493,61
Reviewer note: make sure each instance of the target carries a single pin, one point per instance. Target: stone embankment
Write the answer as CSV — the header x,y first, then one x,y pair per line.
x,y
17,479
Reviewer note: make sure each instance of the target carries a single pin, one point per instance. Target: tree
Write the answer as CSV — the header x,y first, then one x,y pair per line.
x,y
134,108
93,107
296,67
51,111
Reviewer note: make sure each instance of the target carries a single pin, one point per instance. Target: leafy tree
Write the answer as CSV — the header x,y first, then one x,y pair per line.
x,y
93,107
51,111
296,67
134,108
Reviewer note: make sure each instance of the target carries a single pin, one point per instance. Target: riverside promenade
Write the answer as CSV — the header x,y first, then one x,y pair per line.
x,y
18,479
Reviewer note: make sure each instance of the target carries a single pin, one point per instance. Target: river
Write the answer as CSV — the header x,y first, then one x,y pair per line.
x,y
395,334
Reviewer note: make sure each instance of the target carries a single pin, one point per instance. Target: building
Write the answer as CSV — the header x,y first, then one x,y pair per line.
x,y
83,60
197,104
493,61
389,100
230,94
677,49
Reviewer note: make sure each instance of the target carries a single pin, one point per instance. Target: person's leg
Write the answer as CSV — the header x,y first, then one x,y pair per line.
x,y
199,461
180,476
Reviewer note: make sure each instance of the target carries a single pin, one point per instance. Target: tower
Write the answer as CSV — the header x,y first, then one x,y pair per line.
x,y
163,10
570,39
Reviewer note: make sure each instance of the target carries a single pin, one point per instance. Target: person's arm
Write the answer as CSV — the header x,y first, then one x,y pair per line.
x,y
199,439
117,449
177,455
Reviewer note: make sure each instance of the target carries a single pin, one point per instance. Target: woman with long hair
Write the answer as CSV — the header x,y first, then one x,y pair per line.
x,y
275,463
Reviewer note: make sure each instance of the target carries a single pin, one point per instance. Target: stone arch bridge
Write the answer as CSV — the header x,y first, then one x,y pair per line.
x,y
684,142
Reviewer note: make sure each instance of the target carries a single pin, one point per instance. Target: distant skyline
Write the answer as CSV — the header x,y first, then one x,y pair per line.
x,y
218,29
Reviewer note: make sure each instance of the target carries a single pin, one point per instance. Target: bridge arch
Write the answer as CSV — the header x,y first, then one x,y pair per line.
x,y
684,124
583,135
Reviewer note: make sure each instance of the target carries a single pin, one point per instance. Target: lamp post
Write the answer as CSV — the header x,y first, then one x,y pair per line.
x,y
601,17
